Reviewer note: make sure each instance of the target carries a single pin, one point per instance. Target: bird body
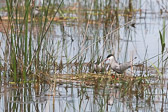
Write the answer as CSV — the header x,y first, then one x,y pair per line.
x,y
115,66
36,12
99,67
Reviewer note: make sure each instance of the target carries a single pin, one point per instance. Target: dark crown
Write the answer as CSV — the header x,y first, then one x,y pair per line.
x,y
110,55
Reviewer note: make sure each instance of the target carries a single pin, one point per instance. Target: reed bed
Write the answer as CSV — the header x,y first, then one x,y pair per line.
x,y
37,62
32,52
26,37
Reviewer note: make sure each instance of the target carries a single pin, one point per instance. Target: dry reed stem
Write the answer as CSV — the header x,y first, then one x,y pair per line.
x,y
108,34
84,39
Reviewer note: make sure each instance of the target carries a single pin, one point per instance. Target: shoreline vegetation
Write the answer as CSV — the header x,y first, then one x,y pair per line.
x,y
49,51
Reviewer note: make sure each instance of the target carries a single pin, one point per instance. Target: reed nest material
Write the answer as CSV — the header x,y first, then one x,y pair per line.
x,y
92,79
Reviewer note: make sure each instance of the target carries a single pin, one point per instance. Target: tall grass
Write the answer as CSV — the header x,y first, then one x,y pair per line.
x,y
162,40
27,57
24,58
162,37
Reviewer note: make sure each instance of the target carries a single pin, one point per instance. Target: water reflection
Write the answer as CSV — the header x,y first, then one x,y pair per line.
x,y
74,44
133,94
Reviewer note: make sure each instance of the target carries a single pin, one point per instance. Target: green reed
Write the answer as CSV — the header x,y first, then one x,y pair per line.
x,y
25,58
162,40
162,37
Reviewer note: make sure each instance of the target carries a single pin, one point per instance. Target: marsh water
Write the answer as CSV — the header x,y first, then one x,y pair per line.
x,y
90,30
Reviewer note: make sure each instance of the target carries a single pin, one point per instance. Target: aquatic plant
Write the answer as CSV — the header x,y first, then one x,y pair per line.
x,y
26,36
162,37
